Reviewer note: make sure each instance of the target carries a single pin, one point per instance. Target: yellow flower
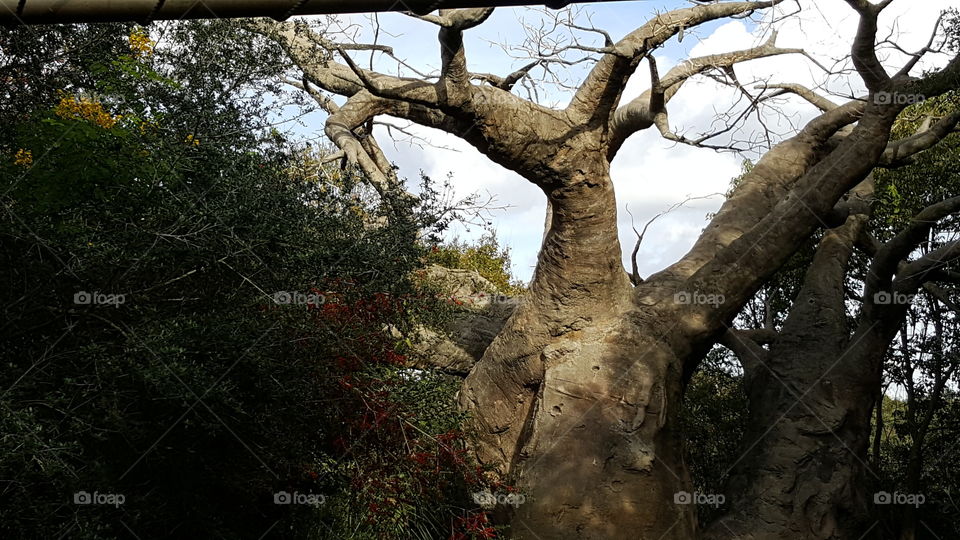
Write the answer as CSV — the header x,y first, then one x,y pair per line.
x,y
71,108
192,140
140,42
23,158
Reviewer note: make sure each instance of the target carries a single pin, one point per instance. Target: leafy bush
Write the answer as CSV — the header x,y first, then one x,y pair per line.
x,y
713,416
485,256
195,329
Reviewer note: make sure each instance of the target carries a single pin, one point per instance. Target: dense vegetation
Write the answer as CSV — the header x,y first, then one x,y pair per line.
x,y
193,327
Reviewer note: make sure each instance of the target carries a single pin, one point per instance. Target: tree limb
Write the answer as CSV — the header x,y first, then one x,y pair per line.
x,y
743,344
900,152
865,59
640,113
815,99
599,95
891,254
915,273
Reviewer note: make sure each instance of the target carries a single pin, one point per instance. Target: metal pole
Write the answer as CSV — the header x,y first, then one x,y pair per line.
x,y
14,12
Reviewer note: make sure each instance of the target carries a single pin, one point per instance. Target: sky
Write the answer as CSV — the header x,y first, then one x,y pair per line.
x,y
650,174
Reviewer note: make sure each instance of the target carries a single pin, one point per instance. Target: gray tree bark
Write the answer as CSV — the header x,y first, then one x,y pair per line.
x,y
804,471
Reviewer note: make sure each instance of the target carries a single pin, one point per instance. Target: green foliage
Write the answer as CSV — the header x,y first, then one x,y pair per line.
x,y
933,176
40,61
914,456
712,419
940,474
486,257
952,17
198,397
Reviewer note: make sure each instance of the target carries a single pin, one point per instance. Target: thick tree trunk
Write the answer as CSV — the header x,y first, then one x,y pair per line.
x,y
803,476
803,473
810,405
576,400
594,454
572,401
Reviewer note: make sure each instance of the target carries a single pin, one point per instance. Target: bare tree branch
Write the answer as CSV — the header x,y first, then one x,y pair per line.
x,y
635,273
599,95
641,113
917,56
865,45
745,347
900,152
815,99
915,273
889,256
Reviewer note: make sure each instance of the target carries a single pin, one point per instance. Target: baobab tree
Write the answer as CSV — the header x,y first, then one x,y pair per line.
x,y
576,399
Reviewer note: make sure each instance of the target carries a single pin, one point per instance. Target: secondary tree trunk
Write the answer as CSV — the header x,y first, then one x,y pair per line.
x,y
804,471
800,474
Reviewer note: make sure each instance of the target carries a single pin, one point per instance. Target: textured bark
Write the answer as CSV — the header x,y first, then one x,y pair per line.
x,y
573,398
804,471
459,345
811,395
